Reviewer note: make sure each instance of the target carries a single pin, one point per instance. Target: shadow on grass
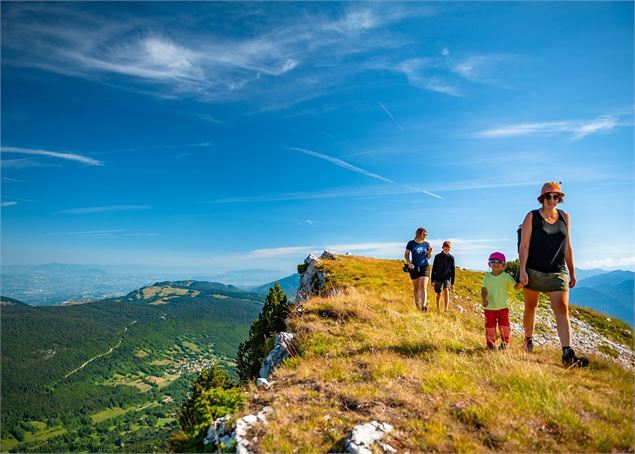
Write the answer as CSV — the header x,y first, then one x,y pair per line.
x,y
462,350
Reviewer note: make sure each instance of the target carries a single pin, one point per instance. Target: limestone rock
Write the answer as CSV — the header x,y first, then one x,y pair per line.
x,y
312,279
364,436
328,255
282,349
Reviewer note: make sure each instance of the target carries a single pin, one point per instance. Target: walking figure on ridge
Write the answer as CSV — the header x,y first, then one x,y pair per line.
x,y
545,248
418,251
443,274
494,291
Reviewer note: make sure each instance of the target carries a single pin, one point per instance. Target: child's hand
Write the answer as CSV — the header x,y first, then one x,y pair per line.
x,y
485,303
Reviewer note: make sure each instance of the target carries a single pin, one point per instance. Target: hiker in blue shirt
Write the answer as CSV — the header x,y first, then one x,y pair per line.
x,y
418,251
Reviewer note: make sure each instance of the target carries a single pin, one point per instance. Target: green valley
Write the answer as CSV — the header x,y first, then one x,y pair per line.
x,y
110,375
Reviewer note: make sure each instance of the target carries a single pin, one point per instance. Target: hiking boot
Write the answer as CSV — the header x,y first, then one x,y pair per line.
x,y
570,359
503,346
529,344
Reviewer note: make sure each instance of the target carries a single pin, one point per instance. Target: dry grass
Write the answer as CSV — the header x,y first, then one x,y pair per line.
x,y
367,354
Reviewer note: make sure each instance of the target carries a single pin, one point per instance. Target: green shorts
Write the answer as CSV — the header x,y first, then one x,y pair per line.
x,y
548,282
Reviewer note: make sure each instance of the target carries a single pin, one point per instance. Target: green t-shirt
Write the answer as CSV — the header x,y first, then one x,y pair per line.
x,y
497,288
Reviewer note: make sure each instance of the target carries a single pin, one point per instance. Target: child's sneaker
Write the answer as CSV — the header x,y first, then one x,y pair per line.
x,y
529,344
569,359
503,346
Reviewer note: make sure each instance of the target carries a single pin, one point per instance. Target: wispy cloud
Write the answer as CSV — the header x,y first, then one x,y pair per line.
x,y
391,116
53,154
611,262
279,251
114,233
420,73
577,129
22,163
156,148
12,180
383,249
8,204
95,232
449,75
170,57
340,163
104,209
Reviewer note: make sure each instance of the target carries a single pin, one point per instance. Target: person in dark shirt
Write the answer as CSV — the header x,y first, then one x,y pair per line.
x,y
443,274
418,251
546,266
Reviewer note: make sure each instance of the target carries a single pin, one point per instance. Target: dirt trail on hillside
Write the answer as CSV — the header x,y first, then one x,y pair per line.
x,y
102,354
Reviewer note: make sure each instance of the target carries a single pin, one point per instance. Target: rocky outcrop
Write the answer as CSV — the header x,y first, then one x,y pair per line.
x,y
221,435
365,436
282,349
313,279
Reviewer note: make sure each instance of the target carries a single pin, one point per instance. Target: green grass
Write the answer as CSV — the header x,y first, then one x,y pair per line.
x,y
107,414
366,354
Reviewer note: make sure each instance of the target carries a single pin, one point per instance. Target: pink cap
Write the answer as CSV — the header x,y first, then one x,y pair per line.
x,y
497,256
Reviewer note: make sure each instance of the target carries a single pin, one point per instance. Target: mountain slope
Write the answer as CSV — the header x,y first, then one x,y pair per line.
x,y
114,364
611,293
288,284
366,354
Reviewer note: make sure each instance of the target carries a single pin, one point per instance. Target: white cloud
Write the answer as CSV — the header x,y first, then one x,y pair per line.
x,y
8,204
53,154
418,72
165,57
340,163
609,262
279,251
577,128
103,209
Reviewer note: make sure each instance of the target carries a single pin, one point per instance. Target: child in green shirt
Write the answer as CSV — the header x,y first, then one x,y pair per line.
x,y
494,290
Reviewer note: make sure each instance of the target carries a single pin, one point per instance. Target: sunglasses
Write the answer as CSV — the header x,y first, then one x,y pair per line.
x,y
555,197
498,262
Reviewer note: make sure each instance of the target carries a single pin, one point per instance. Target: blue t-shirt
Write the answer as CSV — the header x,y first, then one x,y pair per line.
x,y
419,251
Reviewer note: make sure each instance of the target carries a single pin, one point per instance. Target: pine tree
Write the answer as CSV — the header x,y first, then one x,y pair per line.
x,y
272,320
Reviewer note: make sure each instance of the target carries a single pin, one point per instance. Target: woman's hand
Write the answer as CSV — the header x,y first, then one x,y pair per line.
x,y
524,278
572,281
411,266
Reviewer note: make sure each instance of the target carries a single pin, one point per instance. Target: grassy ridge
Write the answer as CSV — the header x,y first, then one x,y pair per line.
x,y
367,354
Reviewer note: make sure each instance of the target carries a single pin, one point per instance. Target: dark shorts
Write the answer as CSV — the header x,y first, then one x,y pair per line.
x,y
548,282
420,271
438,285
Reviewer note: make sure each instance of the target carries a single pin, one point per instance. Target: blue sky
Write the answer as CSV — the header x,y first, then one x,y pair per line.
x,y
247,135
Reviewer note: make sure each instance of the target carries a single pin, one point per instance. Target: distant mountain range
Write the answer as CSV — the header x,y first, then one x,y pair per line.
x,y
289,286
609,292
55,283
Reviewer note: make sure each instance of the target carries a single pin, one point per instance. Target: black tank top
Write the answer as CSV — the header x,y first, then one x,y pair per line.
x,y
548,244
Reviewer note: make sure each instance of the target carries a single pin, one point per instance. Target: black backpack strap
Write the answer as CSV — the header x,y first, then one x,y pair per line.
x,y
561,215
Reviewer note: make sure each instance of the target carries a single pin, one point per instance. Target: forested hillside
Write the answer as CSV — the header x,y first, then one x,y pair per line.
x,y
101,375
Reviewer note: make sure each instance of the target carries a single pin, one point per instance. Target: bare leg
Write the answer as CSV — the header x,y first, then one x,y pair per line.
x,y
560,306
529,316
424,292
438,299
416,291
446,298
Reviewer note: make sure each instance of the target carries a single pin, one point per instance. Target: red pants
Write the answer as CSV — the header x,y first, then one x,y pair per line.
x,y
491,318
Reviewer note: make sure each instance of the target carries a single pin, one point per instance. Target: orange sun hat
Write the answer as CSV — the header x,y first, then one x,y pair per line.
x,y
551,186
